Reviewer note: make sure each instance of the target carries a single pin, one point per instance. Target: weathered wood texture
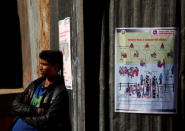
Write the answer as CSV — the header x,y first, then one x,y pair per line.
x,y
139,13
35,32
25,40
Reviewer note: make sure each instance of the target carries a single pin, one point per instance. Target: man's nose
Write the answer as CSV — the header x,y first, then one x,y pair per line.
x,y
41,67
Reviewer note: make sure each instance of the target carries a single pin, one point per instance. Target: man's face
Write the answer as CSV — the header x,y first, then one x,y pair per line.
x,y
47,70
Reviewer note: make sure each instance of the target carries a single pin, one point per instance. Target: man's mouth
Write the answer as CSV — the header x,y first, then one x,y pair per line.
x,y
41,71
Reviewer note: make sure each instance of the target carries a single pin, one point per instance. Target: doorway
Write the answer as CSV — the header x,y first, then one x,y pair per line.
x,y
10,50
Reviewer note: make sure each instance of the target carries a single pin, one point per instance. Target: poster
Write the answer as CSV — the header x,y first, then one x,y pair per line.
x,y
64,46
146,70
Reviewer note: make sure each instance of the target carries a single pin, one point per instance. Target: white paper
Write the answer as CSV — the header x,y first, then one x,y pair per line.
x,y
64,46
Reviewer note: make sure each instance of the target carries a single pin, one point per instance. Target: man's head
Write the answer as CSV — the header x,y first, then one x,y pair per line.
x,y
51,62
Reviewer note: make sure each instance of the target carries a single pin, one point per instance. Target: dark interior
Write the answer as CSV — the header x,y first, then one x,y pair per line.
x,y
10,50
93,13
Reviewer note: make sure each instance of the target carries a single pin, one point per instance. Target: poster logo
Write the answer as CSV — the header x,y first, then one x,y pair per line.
x,y
154,32
123,32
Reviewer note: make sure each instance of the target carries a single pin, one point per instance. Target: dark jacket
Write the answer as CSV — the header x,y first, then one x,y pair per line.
x,y
55,103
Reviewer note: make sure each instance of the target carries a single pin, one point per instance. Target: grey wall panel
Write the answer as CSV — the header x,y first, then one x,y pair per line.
x,y
141,13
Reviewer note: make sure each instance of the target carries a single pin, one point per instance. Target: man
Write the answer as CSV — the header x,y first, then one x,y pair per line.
x,y
44,103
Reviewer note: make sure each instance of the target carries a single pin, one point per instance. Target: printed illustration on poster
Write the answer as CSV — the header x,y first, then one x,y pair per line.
x,y
64,46
146,70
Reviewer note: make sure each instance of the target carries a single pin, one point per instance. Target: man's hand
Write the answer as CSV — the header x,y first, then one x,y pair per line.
x,y
40,111
26,98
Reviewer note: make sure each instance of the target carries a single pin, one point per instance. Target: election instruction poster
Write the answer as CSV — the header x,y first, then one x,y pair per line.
x,y
146,70
64,46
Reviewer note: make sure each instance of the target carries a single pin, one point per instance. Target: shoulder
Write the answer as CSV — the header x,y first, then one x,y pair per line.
x,y
59,93
60,88
59,85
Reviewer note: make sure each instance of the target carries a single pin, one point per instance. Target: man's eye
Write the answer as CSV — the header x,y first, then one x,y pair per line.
x,y
43,64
